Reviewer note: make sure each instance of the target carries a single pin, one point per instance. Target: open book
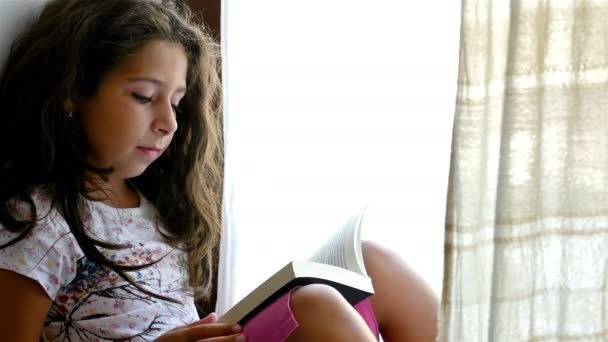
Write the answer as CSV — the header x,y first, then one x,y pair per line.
x,y
338,263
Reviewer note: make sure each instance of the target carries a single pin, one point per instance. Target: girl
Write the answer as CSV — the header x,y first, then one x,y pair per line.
x,y
111,169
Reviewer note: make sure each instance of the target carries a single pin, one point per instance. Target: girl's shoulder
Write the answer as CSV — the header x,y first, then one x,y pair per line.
x,y
48,218
48,252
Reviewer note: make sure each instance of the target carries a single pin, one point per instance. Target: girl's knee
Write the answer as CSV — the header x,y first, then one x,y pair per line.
x,y
323,314
315,298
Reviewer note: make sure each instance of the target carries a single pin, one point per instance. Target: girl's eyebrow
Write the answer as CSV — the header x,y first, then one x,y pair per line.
x,y
181,89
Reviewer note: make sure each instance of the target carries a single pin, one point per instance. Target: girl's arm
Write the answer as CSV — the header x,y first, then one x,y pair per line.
x,y
24,306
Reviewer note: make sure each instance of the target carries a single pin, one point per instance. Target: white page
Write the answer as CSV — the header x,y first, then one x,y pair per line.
x,y
343,247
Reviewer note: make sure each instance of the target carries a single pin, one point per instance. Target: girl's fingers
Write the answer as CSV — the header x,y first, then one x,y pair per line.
x,y
210,318
205,331
231,338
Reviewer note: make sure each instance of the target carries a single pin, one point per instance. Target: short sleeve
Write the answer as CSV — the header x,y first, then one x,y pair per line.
x,y
47,254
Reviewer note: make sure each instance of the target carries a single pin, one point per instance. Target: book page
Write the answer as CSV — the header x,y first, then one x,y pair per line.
x,y
343,249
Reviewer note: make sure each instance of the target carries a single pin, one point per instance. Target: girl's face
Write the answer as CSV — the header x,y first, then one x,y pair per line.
x,y
131,120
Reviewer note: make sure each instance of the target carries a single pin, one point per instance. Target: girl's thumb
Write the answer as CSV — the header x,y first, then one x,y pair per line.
x,y
210,318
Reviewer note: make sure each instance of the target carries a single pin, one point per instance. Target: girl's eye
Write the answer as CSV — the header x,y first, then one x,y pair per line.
x,y
144,99
176,109
141,98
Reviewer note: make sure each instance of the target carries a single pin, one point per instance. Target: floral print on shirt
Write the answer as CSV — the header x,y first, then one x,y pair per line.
x,y
91,302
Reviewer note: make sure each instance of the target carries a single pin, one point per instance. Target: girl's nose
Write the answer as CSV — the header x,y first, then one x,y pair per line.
x,y
165,122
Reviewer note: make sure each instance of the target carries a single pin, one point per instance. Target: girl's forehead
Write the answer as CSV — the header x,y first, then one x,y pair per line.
x,y
157,59
153,53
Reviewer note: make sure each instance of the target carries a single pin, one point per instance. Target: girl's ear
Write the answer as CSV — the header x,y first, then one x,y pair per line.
x,y
68,106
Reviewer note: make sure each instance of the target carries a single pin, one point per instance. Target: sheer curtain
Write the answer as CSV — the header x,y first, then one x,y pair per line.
x,y
527,218
330,105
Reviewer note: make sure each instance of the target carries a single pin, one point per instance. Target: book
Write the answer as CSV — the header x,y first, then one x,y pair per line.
x,y
337,263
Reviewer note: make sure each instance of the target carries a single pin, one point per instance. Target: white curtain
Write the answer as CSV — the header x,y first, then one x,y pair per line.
x,y
527,218
330,105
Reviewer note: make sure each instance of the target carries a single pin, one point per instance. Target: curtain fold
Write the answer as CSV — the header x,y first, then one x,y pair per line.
x,y
527,216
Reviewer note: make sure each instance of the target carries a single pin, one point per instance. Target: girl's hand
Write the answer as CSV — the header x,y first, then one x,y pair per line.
x,y
204,330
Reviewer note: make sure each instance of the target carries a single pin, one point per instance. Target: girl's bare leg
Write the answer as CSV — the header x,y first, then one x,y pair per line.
x,y
324,315
406,308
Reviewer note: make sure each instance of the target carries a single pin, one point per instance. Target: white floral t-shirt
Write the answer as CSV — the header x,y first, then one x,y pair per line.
x,y
90,302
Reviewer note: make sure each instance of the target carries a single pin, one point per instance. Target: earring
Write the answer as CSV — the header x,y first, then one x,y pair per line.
x,y
71,114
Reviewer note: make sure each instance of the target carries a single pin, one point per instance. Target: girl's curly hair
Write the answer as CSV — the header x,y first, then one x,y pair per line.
x,y
64,54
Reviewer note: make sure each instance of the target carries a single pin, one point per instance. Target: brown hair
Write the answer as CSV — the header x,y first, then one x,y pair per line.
x,y
65,54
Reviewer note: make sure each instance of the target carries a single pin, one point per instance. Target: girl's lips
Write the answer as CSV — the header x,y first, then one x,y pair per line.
x,y
151,152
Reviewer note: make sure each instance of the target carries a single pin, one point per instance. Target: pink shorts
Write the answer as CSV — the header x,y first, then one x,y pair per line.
x,y
276,322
